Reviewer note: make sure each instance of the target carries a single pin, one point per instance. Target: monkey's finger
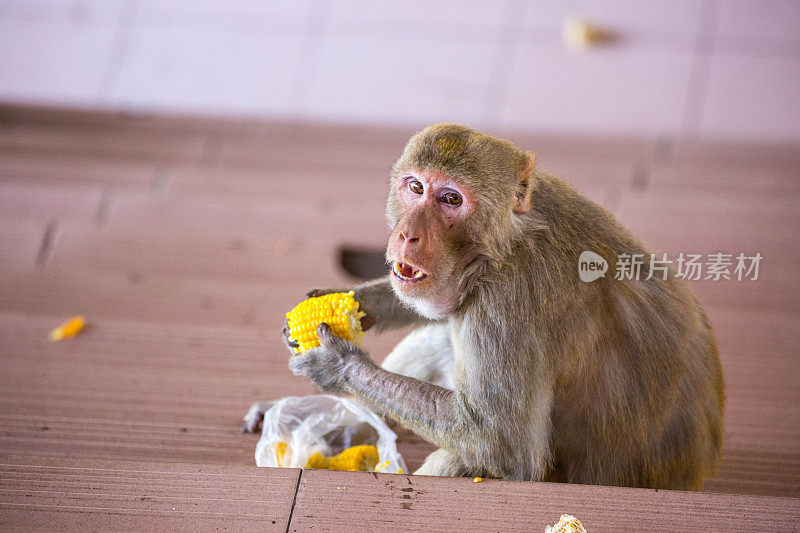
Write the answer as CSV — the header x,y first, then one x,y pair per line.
x,y
287,340
334,344
286,333
325,333
328,339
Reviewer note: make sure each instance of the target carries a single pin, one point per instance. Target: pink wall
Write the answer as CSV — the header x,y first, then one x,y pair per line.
x,y
725,69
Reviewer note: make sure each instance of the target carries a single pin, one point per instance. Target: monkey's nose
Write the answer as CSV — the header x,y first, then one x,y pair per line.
x,y
403,238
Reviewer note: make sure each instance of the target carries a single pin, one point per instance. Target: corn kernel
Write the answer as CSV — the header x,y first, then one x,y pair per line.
x,y
580,35
339,310
477,480
70,328
279,448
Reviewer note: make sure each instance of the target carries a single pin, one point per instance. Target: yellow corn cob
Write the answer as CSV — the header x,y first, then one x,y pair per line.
x,y
70,328
339,310
356,458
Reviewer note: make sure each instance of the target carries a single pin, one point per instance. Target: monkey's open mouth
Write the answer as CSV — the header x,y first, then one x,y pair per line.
x,y
406,272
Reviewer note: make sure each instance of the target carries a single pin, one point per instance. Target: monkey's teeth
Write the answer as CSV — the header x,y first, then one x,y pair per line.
x,y
406,272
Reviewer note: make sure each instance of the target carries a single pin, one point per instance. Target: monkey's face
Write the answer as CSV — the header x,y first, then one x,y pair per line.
x,y
451,199
431,210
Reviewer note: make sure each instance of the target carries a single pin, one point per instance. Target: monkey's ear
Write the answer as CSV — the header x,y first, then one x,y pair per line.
x,y
525,185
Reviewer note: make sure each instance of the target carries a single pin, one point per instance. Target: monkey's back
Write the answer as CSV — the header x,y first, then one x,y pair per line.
x,y
639,392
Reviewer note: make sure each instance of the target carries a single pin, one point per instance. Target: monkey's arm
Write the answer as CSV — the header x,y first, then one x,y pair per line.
x,y
382,307
339,366
426,409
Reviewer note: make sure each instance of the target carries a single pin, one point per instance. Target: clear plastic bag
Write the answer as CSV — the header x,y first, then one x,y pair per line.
x,y
323,424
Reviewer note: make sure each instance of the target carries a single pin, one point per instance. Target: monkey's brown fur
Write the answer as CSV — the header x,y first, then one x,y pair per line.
x,y
613,382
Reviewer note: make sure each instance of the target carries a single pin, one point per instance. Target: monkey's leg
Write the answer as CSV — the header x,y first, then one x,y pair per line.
x,y
425,354
255,416
442,463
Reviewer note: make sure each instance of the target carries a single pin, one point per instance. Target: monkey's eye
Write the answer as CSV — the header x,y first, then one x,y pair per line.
x,y
415,186
452,198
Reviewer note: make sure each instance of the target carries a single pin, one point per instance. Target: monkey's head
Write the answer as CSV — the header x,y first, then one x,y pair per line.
x,y
457,197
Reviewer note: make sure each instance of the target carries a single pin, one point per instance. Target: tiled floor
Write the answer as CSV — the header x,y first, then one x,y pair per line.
x,y
183,241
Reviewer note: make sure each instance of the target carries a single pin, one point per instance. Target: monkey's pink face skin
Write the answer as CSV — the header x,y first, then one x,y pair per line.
x,y
431,208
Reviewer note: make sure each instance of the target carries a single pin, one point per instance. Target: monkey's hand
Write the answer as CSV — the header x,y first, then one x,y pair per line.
x,y
383,308
367,321
329,365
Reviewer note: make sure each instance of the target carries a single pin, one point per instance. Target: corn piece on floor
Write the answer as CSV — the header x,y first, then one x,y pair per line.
x,y
183,242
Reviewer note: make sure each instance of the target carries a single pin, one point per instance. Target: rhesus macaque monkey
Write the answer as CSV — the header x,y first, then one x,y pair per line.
x,y
611,382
